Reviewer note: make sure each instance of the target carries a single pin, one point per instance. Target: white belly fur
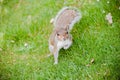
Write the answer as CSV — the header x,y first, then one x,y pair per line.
x,y
61,44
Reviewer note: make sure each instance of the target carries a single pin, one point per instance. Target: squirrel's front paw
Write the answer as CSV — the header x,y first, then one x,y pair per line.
x,y
66,47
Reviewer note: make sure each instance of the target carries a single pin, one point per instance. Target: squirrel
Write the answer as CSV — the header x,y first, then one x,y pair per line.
x,y
63,24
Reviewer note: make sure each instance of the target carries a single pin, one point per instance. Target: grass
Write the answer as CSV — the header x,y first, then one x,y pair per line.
x,y
24,33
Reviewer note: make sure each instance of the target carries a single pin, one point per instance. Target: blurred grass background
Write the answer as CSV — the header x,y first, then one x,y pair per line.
x,y
24,34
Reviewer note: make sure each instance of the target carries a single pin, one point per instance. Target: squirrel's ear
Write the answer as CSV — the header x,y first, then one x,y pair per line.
x,y
67,27
56,31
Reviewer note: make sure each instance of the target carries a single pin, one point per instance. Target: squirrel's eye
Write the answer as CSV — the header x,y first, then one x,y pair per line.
x,y
66,32
58,34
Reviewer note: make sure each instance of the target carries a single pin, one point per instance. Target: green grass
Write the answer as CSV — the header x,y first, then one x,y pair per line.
x,y
24,34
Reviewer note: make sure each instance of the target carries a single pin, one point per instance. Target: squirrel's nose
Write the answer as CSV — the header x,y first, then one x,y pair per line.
x,y
64,39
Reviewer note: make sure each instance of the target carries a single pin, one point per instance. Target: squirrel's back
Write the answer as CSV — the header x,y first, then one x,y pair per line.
x,y
67,16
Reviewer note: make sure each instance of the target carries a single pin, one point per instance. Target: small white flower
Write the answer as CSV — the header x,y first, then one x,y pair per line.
x,y
52,20
109,18
108,2
26,44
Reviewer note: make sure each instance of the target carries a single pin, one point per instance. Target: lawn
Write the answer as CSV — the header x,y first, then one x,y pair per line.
x,y
25,29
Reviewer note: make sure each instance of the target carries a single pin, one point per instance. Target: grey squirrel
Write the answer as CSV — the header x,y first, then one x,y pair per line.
x,y
63,23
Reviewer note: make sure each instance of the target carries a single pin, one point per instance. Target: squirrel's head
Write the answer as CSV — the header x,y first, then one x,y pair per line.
x,y
62,34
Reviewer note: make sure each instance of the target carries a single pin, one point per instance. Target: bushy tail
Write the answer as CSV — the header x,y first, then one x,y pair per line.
x,y
67,16
76,19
